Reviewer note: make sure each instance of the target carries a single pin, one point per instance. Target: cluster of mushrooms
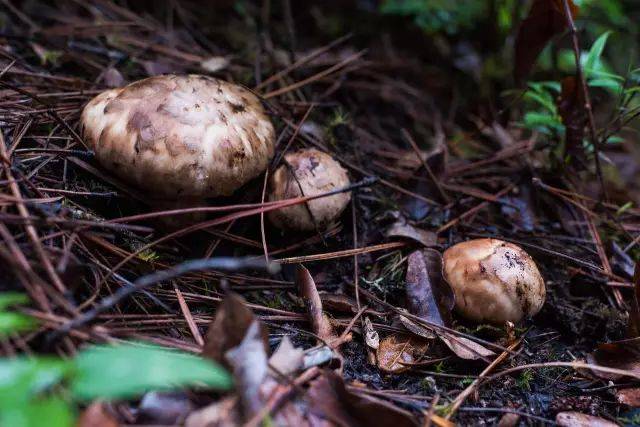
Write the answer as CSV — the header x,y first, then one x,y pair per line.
x,y
184,139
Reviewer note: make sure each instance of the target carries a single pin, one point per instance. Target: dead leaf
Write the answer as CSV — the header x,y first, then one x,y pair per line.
x,y
623,354
398,352
405,230
319,322
545,20
338,302
621,262
329,399
214,64
222,413
509,420
164,408
465,348
571,106
629,397
620,355
229,327
428,294
96,415
249,364
318,356
431,298
371,337
287,359
416,328
577,419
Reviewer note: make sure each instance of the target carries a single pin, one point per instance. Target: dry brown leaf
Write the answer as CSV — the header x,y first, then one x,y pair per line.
x,y
428,294
249,365
371,337
96,415
223,413
287,359
398,352
509,420
329,399
465,348
338,302
619,355
629,397
229,327
416,328
171,407
319,322
577,419
407,231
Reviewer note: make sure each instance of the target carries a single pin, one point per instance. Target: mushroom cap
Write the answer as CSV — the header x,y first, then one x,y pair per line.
x,y
493,281
180,136
315,173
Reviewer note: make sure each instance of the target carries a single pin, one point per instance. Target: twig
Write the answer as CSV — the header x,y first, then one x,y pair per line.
x,y
426,166
587,98
459,400
227,264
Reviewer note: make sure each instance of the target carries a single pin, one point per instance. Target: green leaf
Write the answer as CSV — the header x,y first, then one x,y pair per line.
x,y
542,122
543,99
23,378
131,369
545,86
7,299
15,322
624,208
606,84
593,58
52,412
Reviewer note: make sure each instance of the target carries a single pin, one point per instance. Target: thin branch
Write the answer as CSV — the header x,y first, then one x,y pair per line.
x,y
587,98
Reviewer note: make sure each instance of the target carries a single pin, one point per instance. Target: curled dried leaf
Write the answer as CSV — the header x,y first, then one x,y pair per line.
x,y
404,230
371,337
319,322
96,415
428,294
465,348
577,419
629,397
398,352
229,327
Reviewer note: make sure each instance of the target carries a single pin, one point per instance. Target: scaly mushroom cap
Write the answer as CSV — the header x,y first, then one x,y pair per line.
x,y
180,136
315,173
493,281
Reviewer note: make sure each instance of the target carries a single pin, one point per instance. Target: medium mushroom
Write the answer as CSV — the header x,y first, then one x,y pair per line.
x,y
181,138
493,281
308,172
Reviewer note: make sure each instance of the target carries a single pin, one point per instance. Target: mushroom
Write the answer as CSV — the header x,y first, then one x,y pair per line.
x,y
308,172
181,138
493,281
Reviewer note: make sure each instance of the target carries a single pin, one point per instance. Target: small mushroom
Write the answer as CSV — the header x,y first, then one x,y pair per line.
x,y
180,137
308,172
493,281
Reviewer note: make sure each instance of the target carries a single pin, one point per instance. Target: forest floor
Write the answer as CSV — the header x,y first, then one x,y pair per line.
x,y
383,101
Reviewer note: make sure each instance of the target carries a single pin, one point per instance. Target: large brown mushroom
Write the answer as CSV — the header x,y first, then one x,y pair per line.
x,y
493,281
308,172
180,137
